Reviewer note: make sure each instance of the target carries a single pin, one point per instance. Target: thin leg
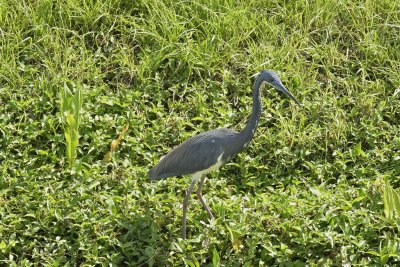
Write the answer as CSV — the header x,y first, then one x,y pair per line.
x,y
200,196
185,206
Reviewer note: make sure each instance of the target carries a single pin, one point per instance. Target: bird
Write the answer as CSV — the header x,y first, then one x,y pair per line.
x,y
208,151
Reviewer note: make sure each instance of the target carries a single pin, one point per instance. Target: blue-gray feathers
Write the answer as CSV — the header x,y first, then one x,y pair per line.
x,y
195,154
202,151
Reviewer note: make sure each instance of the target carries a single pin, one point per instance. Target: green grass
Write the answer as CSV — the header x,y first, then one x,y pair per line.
x,y
307,191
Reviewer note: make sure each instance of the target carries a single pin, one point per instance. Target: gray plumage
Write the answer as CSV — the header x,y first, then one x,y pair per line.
x,y
209,150
202,151
195,154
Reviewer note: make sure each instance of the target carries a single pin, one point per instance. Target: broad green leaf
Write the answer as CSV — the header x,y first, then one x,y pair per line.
x,y
396,202
215,259
384,258
388,200
3,245
70,120
235,239
65,98
191,264
74,143
68,146
358,150
77,104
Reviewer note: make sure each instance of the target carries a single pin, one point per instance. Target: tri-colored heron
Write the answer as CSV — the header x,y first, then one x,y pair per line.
x,y
210,150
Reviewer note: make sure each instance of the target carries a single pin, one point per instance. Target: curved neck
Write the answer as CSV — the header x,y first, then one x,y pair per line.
x,y
252,123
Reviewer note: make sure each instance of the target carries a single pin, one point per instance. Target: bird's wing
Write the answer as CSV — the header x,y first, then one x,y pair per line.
x,y
195,154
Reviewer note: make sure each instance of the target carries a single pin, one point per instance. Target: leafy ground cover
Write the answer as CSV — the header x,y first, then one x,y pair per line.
x,y
307,191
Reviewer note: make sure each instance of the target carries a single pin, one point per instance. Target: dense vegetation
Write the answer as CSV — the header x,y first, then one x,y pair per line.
x,y
307,191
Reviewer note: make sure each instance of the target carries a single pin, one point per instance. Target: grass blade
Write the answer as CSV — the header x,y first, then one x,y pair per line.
x,y
215,259
396,202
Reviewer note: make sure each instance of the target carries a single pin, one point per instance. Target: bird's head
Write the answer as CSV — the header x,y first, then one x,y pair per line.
x,y
269,76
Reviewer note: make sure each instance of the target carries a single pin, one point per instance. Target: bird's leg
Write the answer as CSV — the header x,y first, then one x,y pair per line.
x,y
185,206
200,196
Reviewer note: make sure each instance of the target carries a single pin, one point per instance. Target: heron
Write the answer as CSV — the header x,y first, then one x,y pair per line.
x,y
208,151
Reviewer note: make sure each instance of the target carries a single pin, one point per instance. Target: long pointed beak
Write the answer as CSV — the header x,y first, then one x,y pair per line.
x,y
282,88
